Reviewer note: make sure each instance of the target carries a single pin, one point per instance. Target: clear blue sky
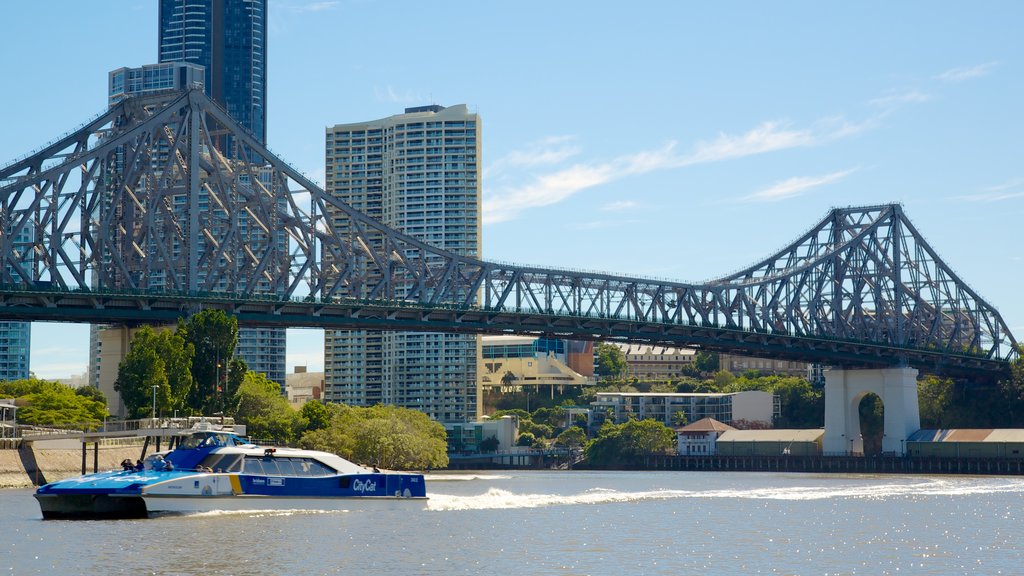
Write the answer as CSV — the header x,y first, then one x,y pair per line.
x,y
669,139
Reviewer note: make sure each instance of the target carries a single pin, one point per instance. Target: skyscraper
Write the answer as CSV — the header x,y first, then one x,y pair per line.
x,y
16,337
417,172
229,38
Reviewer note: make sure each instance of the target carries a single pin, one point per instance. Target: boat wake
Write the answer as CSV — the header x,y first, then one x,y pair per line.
x,y
248,513
496,498
463,477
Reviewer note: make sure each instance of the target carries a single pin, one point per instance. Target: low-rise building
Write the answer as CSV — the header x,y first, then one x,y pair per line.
x,y
770,442
508,363
302,386
967,443
699,438
645,362
752,406
465,438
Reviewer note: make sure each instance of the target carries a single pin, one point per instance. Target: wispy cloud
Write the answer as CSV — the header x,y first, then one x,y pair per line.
x,y
797,186
545,152
1005,191
601,224
990,196
967,73
505,202
308,7
619,205
390,94
898,98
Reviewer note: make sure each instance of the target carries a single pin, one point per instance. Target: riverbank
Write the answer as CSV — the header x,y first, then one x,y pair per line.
x,y
830,464
28,467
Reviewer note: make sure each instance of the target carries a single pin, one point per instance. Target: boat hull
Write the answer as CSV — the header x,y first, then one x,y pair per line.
x,y
159,505
90,506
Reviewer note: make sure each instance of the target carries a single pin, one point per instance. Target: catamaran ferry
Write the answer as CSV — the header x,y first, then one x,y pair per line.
x,y
218,470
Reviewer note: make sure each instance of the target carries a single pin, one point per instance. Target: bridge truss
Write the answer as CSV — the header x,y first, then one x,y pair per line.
x,y
158,208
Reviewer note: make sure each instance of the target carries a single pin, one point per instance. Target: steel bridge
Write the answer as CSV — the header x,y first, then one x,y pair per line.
x,y
141,216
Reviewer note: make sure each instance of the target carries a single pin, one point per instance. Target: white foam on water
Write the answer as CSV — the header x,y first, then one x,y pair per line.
x,y
496,498
252,513
463,477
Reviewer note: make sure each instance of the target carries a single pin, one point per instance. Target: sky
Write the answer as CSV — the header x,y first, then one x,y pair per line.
x,y
677,140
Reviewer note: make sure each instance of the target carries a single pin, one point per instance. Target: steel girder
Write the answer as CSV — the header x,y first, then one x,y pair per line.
x,y
147,200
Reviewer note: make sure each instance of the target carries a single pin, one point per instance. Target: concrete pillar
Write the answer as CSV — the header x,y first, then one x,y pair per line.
x,y
844,389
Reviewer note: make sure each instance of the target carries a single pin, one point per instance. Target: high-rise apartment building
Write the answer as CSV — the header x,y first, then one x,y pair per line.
x,y
417,172
16,337
229,39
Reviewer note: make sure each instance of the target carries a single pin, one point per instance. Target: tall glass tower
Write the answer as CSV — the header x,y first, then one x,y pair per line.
x,y
229,39
16,337
417,172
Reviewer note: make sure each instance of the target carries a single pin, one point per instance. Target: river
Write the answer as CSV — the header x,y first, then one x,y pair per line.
x,y
565,523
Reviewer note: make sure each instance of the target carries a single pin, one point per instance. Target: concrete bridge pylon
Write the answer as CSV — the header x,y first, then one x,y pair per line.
x,y
844,389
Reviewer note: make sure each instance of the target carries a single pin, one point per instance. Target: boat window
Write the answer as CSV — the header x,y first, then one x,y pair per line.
x,y
314,468
223,462
253,465
284,467
270,466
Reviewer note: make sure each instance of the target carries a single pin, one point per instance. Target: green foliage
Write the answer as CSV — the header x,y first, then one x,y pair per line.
x,y
489,444
572,437
266,414
706,362
538,430
317,414
526,439
93,393
611,361
552,417
723,378
872,418
519,413
628,443
160,359
679,418
213,334
46,403
384,436
934,398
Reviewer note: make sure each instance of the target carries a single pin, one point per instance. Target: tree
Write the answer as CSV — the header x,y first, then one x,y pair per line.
x,y
526,439
611,361
553,417
54,404
934,398
316,414
679,418
92,393
1012,388
384,436
572,437
213,334
627,443
266,414
508,378
489,444
162,359
141,369
705,362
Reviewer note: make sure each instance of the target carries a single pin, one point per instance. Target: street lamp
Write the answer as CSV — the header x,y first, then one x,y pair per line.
x,y
154,400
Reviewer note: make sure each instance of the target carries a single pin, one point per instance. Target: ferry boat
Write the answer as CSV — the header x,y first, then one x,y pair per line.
x,y
218,470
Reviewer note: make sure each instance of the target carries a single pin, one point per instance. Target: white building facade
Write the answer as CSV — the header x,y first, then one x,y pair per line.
x,y
752,406
419,173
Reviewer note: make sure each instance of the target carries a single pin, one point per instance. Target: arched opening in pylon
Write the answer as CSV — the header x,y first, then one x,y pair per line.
x,y
871,411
